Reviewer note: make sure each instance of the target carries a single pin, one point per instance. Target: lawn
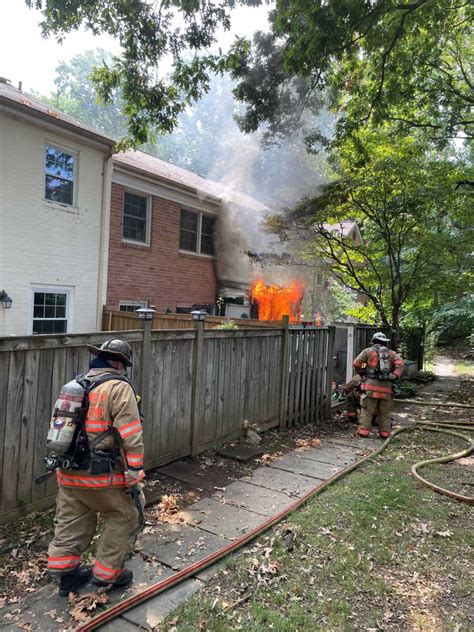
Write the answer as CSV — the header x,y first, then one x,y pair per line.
x,y
377,551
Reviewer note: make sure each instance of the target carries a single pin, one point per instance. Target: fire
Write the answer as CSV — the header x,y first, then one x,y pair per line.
x,y
274,301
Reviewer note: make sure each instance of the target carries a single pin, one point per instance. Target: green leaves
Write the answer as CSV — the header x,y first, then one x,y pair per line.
x,y
371,62
411,216
176,32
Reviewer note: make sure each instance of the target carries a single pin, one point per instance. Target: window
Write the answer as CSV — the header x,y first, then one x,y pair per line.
x,y
130,306
207,235
188,231
50,311
60,167
319,279
196,232
135,217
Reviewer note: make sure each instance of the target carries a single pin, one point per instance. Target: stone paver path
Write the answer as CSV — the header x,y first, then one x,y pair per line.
x,y
225,514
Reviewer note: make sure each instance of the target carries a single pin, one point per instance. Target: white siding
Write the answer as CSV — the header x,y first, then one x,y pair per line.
x,y
43,243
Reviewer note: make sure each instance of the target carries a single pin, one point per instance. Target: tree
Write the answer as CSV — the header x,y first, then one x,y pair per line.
x,y
372,61
76,94
414,223
177,31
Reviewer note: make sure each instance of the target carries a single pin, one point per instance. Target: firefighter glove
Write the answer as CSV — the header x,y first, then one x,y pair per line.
x,y
392,376
133,477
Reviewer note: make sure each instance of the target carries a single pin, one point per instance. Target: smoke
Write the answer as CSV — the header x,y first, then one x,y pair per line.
x,y
254,183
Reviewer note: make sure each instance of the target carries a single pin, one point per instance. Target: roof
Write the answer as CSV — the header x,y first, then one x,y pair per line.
x,y
26,104
345,228
155,167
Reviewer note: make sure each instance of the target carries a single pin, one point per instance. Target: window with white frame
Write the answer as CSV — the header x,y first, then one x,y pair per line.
x,y
136,223
60,174
319,279
131,306
196,232
51,309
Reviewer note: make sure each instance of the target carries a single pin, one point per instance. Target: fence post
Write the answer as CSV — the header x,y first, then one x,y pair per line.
x,y
196,382
284,372
350,353
329,369
145,369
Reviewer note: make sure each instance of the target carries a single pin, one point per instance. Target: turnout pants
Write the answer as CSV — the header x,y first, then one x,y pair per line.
x,y
371,406
75,524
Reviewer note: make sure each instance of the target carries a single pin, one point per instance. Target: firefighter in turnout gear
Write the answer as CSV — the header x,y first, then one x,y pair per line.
x,y
380,366
99,483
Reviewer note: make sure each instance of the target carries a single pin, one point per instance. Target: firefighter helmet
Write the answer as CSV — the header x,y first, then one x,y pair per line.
x,y
379,337
115,349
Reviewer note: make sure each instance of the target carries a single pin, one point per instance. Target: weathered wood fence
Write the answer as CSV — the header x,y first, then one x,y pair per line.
x,y
113,320
198,387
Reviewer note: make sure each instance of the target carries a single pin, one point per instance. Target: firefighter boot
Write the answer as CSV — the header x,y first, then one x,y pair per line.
x,y
125,577
70,582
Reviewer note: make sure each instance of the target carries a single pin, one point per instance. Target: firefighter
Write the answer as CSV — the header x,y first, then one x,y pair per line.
x,y
352,391
380,366
114,433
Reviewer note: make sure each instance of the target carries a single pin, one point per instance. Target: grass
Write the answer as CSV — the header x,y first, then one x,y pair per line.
x,y
377,551
464,367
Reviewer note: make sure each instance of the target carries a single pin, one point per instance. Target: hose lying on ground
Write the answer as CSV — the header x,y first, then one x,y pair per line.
x,y
420,402
190,571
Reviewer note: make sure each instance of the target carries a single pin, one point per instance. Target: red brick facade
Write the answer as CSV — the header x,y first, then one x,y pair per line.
x,y
157,273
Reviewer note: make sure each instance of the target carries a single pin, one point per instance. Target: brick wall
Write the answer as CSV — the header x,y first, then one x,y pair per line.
x,y
158,272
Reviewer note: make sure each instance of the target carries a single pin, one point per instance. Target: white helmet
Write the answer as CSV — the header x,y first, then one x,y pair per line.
x,y
380,337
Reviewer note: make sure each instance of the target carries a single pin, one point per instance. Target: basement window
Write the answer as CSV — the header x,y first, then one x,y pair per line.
x,y
131,306
60,172
196,232
136,223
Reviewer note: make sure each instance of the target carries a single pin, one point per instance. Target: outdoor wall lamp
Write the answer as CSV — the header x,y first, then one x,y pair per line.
x,y
6,300
199,314
145,313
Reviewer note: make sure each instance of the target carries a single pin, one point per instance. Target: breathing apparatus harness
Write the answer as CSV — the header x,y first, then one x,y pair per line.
x,y
382,370
82,453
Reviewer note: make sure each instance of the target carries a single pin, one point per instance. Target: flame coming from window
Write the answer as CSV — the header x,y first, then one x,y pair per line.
x,y
274,301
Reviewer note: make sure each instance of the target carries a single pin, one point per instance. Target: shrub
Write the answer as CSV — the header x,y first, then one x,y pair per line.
x,y
227,325
454,321
425,377
402,388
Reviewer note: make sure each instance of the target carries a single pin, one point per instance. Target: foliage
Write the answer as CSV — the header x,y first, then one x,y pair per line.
x,y
404,389
340,302
412,217
454,321
425,377
373,62
76,94
150,34
227,325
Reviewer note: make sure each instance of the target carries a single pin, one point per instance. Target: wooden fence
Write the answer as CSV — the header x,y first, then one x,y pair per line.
x,y
200,386
113,320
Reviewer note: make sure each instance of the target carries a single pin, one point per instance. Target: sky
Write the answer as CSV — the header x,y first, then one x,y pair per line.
x,y
25,56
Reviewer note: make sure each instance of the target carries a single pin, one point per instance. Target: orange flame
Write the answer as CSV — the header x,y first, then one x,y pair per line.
x,y
274,301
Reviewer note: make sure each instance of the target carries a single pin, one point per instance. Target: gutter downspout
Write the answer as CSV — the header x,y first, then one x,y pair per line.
x,y
104,239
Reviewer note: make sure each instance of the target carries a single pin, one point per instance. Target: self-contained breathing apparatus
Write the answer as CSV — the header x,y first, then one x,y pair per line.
x,y
67,442
382,370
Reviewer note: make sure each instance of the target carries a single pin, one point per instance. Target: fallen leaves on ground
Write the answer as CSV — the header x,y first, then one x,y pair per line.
x,y
312,442
83,607
269,457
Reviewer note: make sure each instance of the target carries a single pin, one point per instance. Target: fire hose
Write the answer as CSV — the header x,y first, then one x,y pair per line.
x,y
193,569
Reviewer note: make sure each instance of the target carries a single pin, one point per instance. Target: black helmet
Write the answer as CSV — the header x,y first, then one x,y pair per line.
x,y
380,337
115,349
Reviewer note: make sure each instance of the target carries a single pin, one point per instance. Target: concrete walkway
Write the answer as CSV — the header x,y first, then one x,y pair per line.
x,y
212,522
